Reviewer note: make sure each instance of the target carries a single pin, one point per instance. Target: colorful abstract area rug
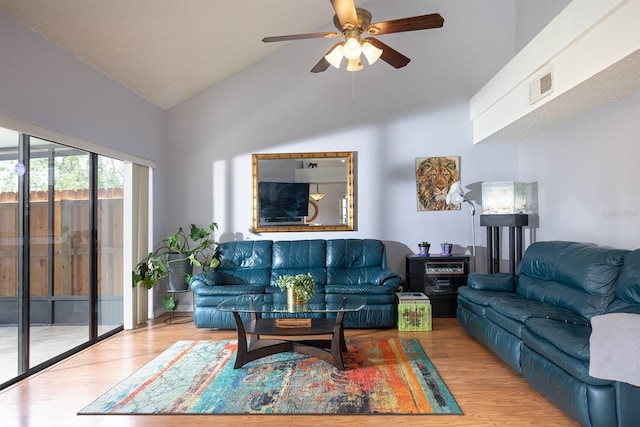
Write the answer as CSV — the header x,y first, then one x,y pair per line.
x,y
382,376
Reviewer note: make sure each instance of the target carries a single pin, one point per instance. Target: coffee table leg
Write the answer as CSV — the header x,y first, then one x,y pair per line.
x,y
338,344
241,353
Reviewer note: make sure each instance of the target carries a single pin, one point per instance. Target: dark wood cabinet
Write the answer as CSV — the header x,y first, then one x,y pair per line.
x,y
439,277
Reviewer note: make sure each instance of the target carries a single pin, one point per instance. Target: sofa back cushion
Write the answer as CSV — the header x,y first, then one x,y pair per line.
x,y
355,261
577,276
628,286
540,260
300,257
246,262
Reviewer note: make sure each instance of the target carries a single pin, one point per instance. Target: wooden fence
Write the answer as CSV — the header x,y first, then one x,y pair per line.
x,y
69,238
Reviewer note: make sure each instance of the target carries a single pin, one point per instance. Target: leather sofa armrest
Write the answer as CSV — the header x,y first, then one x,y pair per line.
x,y
389,278
206,279
503,282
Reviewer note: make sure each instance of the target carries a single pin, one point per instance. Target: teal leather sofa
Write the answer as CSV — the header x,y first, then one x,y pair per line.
x,y
539,323
338,266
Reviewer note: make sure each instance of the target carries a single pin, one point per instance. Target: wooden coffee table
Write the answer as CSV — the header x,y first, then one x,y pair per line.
x,y
264,312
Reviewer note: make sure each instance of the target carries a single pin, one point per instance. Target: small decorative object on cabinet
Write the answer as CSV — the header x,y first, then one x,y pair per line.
x,y
446,249
424,248
439,277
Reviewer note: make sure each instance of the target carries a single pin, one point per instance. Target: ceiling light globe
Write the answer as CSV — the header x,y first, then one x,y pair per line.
x,y
335,56
371,52
352,49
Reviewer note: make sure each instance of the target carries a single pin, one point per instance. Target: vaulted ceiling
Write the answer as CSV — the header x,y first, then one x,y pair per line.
x,y
169,50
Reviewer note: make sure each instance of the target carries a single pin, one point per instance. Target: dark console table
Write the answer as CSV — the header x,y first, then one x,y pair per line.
x,y
439,277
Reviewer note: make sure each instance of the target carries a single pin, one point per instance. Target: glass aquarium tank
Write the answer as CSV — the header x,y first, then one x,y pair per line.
x,y
505,197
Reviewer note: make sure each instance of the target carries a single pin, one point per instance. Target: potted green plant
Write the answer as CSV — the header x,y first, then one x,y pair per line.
x,y
300,288
174,259
424,248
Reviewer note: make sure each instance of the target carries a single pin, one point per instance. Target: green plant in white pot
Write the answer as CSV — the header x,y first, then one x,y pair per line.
x,y
174,259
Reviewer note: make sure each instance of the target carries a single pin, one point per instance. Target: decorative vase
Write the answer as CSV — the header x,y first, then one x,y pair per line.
x,y
446,249
180,269
424,250
294,300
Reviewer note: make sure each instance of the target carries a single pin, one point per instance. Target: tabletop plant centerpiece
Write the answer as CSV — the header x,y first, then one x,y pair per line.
x,y
300,288
175,258
424,248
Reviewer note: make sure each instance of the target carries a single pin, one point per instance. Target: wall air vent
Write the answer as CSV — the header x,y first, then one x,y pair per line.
x,y
541,86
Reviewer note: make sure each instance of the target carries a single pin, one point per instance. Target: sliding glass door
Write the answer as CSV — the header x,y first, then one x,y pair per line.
x,y
9,272
66,288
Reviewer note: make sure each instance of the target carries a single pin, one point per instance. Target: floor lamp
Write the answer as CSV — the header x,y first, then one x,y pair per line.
x,y
456,196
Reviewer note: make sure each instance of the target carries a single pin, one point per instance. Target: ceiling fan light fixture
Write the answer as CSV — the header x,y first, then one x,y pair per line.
x,y
317,196
352,49
354,65
371,52
335,56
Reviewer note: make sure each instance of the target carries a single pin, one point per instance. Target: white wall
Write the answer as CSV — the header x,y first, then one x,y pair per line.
x,y
532,16
45,86
389,117
588,174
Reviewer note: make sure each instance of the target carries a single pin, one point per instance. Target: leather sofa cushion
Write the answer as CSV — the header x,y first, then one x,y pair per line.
x,y
254,254
576,276
577,368
541,259
562,295
230,290
372,293
521,309
482,297
590,268
300,257
569,338
620,306
628,287
477,309
246,262
514,327
355,253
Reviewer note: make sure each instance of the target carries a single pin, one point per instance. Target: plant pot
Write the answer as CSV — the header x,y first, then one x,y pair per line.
x,y
181,268
424,250
446,249
294,300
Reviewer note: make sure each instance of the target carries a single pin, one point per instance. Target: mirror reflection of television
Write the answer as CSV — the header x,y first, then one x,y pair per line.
x,y
283,202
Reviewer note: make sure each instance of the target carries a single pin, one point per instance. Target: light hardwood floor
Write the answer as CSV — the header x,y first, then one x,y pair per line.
x,y
489,392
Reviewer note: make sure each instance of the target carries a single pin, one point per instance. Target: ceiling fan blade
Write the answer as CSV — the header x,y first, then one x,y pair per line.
x,y
327,35
346,13
323,64
422,22
389,55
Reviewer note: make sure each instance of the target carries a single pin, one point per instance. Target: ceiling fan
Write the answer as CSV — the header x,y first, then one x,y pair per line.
x,y
353,23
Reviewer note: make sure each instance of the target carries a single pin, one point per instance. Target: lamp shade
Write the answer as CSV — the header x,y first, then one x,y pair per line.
x,y
455,194
371,52
335,56
352,48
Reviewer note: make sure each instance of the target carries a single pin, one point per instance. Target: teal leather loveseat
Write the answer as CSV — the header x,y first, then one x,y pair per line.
x,y
540,322
338,266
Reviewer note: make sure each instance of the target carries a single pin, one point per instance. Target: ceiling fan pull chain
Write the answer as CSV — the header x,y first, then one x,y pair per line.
x,y
353,85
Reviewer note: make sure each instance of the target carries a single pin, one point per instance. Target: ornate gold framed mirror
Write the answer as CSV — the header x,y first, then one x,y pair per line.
x,y
303,192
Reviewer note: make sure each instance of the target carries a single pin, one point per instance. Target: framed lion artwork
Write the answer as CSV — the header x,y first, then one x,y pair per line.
x,y
434,176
